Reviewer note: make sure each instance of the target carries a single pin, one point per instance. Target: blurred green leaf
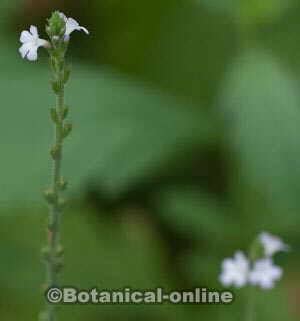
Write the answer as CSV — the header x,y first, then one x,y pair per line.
x,y
189,59
195,214
123,131
260,104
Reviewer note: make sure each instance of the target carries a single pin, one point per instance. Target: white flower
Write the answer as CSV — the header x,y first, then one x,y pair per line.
x,y
31,43
265,273
272,244
72,25
235,271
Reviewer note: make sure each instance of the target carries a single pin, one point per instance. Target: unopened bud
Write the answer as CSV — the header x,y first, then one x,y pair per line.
x,y
56,27
67,130
50,196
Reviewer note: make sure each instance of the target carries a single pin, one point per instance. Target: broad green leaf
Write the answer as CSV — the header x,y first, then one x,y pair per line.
x,y
123,131
261,108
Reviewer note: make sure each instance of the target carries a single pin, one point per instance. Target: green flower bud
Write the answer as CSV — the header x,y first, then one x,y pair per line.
x,y
59,251
56,27
67,130
65,112
56,86
50,196
54,115
55,152
67,73
62,184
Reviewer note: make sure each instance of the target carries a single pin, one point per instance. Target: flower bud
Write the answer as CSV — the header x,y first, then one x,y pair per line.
x,y
67,129
56,27
62,184
54,115
65,112
56,87
59,251
50,196
67,73
55,152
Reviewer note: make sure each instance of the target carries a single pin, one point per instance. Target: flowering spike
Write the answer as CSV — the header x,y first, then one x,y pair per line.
x,y
59,28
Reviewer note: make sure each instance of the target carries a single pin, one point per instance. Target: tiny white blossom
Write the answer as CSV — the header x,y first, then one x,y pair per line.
x,y
265,273
272,244
72,25
235,271
31,42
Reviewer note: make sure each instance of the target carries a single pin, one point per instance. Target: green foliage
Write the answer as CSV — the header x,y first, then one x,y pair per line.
x,y
124,134
260,102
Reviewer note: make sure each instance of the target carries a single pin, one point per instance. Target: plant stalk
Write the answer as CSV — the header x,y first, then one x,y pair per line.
x,y
54,249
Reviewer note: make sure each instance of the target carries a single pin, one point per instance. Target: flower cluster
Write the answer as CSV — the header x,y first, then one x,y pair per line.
x,y
31,41
240,270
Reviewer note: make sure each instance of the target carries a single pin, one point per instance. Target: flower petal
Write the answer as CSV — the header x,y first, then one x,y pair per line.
x,y
72,25
32,54
34,31
85,30
25,48
26,36
63,16
272,244
235,270
264,273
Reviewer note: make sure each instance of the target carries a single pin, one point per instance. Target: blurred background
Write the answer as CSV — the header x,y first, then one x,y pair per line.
x,y
186,145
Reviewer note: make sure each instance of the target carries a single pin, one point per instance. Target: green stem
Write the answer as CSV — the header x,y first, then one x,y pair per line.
x,y
55,210
54,249
250,305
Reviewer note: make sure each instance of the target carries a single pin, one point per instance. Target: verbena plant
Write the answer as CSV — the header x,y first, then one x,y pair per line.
x,y
58,29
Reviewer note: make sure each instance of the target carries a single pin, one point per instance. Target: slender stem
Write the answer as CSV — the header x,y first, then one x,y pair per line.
x,y
53,252
54,249
250,305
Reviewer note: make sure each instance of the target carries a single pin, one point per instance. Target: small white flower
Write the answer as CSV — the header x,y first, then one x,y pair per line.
x,y
272,244
31,42
265,274
235,271
72,25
